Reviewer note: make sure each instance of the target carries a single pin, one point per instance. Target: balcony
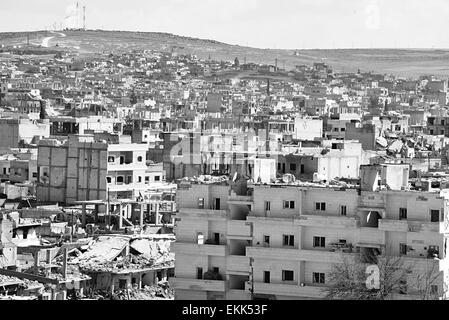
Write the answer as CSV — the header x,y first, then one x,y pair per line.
x,y
112,167
238,295
207,214
288,290
297,255
372,201
199,285
331,221
242,200
238,265
239,229
411,226
370,237
199,249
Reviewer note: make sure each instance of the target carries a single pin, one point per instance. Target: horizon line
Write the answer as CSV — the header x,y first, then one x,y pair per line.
x,y
238,45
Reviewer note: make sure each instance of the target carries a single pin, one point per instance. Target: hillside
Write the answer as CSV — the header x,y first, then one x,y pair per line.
x,y
403,62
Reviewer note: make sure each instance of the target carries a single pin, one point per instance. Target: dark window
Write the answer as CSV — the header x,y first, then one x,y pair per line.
x,y
434,289
139,159
217,203
140,179
217,238
434,215
216,270
109,179
266,276
318,277
303,170
111,159
267,205
289,240
402,213
122,283
289,204
343,210
292,166
402,249
157,178
287,275
201,203
320,206
319,242
266,241
199,273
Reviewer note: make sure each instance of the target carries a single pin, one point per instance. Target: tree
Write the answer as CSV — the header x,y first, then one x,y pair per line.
x,y
424,281
348,279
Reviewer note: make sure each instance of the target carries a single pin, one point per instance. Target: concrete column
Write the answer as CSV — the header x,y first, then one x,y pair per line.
x,y
120,221
84,215
141,215
158,219
36,262
106,218
64,265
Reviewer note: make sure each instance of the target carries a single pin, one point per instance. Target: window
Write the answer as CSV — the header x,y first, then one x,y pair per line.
x,y
266,276
292,166
199,273
157,178
139,159
402,213
289,240
266,241
201,203
122,283
34,174
434,289
216,238
111,159
216,270
287,275
343,210
303,169
279,166
120,179
318,277
4,170
130,179
402,249
147,180
267,205
109,179
320,206
434,215
319,242
289,204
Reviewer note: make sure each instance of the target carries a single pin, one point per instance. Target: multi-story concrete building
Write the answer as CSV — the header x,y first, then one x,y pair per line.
x,y
84,169
281,241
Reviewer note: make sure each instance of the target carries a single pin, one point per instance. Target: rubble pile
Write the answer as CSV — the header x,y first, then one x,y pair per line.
x,y
25,283
205,179
156,292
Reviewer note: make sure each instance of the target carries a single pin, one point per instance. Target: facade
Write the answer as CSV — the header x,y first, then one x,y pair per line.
x,y
280,241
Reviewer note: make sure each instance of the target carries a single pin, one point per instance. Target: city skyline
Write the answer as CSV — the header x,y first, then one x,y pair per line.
x,y
255,23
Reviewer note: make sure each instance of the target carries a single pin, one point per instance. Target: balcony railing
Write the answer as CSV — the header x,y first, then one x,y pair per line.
x,y
197,284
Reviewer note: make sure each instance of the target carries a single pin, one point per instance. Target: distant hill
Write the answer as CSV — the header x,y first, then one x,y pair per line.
x,y
403,62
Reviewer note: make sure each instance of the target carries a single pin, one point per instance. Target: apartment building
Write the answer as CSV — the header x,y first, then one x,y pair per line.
x,y
280,241
82,168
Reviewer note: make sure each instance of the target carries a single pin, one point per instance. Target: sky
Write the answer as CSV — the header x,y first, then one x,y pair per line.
x,y
276,24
